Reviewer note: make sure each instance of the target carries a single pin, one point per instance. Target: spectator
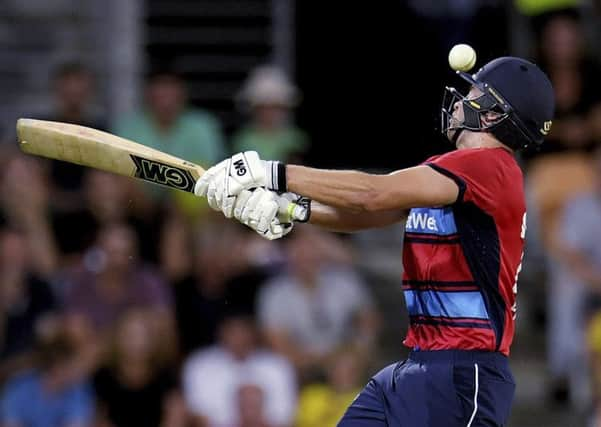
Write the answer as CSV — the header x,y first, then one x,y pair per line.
x,y
562,182
175,248
201,298
25,302
212,377
269,98
573,73
315,307
561,169
45,396
575,288
322,405
168,124
594,350
25,207
107,199
251,406
110,282
136,388
225,275
74,90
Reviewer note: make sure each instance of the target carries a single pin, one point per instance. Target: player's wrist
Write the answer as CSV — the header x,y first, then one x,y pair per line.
x,y
275,173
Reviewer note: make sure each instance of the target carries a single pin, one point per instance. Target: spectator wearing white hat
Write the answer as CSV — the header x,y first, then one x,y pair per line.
x,y
269,97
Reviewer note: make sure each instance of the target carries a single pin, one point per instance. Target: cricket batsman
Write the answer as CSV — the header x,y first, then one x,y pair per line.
x,y
464,235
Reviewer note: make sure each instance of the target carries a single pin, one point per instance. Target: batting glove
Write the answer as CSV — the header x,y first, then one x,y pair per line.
x,y
259,210
243,171
272,215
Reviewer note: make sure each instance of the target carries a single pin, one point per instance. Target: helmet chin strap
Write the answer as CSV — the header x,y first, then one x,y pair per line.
x,y
456,135
471,121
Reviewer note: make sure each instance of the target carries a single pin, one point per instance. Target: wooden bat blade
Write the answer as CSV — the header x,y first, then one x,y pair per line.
x,y
101,150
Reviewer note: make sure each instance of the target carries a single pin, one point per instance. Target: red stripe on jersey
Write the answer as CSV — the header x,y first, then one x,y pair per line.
x,y
450,321
440,337
430,238
446,262
441,288
418,285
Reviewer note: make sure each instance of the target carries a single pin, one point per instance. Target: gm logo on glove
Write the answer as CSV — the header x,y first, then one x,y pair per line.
x,y
240,167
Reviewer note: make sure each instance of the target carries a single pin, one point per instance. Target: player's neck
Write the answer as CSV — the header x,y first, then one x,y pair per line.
x,y
479,140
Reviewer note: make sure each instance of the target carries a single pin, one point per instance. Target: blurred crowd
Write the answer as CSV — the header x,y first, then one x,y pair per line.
x,y
563,181
124,304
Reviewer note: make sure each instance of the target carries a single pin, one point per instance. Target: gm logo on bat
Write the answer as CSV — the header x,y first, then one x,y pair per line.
x,y
164,174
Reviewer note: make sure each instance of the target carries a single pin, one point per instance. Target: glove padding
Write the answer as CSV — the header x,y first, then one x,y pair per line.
x,y
260,210
271,214
243,171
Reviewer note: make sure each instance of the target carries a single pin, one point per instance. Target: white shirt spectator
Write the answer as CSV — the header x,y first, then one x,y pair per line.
x,y
212,377
319,319
580,230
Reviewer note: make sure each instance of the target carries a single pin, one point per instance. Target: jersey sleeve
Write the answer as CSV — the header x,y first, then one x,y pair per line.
x,y
477,172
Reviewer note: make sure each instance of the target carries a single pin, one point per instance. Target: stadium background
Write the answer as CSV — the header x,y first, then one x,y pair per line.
x,y
133,306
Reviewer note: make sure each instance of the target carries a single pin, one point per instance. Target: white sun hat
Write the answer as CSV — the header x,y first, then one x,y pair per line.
x,y
268,85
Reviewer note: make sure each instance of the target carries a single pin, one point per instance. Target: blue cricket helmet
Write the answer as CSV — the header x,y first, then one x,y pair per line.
x,y
517,90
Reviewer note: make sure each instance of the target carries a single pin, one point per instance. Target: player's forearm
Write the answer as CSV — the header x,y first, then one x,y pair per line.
x,y
334,219
352,190
347,221
371,193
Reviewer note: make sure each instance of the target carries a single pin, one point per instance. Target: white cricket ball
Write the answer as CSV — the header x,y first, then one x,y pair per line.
x,y
462,57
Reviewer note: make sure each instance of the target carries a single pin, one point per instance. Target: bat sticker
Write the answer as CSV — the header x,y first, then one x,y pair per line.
x,y
164,174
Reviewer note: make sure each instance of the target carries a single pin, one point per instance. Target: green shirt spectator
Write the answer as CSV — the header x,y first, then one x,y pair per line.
x,y
282,144
194,135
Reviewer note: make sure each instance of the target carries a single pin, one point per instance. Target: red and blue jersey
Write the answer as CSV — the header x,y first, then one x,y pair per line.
x,y
461,261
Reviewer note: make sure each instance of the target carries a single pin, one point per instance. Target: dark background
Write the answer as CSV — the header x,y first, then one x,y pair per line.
x,y
373,79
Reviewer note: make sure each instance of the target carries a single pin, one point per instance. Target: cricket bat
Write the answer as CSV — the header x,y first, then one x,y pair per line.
x,y
101,150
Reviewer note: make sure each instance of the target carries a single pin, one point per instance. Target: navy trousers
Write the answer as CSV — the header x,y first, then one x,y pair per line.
x,y
448,388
